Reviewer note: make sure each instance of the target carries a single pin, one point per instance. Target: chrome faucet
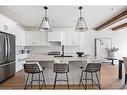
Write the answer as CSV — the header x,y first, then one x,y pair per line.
x,y
62,54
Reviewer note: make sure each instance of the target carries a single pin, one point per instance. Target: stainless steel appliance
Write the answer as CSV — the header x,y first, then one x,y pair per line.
x,y
7,56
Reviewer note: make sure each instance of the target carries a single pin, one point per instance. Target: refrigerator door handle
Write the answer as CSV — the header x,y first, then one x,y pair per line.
x,y
6,45
8,40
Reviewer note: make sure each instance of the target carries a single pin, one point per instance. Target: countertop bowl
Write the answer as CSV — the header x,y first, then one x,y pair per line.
x,y
80,54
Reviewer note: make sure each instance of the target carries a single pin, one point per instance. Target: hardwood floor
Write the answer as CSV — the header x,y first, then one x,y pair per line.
x,y
109,80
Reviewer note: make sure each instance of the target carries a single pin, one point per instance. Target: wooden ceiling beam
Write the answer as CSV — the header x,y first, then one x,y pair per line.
x,y
112,21
122,26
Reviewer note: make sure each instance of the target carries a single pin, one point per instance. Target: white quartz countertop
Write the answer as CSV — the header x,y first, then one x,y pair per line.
x,y
45,57
39,57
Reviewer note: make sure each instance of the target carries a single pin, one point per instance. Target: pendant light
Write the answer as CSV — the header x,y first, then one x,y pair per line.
x,y
45,25
81,24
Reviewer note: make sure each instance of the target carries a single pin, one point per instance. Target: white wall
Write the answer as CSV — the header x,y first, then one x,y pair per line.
x,y
6,21
119,40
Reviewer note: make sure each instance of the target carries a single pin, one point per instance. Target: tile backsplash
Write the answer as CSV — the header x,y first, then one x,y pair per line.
x,y
46,49
19,49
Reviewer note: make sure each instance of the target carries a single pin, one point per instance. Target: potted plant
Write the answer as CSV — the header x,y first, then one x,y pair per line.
x,y
111,51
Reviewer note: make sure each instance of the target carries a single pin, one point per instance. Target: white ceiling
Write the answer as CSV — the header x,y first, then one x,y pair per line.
x,y
61,16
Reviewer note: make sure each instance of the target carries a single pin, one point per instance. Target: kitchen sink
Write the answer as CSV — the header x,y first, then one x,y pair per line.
x,y
64,56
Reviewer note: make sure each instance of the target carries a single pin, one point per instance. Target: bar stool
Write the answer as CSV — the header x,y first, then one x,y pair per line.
x,y
33,68
92,68
61,68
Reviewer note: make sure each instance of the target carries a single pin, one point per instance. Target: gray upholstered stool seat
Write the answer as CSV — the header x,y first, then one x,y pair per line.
x,y
33,68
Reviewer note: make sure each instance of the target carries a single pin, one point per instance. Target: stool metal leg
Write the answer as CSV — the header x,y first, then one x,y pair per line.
x,y
55,81
81,78
43,80
86,81
98,81
67,80
125,78
26,82
92,78
32,81
39,80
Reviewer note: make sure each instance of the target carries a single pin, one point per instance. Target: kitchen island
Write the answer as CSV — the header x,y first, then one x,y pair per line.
x,y
74,64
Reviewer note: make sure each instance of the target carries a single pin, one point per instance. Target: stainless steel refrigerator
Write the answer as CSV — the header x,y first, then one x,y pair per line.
x,y
7,56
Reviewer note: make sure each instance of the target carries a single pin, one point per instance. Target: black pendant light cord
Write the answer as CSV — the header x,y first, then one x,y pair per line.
x,y
46,8
80,8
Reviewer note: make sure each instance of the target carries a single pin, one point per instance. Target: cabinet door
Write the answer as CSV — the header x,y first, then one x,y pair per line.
x,y
43,39
34,38
76,39
64,38
70,38
2,48
54,36
67,38
29,39
20,36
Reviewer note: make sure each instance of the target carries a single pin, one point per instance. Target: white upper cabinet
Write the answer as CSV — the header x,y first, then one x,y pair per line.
x,y
77,36
54,36
70,38
35,38
67,38
20,36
